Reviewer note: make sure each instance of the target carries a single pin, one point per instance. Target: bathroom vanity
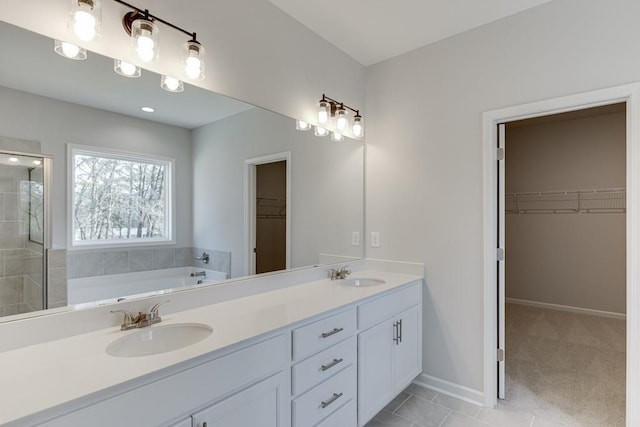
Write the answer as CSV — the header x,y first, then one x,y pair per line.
x,y
320,353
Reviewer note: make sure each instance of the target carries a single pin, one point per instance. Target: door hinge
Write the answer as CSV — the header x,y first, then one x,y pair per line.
x,y
500,355
499,254
500,153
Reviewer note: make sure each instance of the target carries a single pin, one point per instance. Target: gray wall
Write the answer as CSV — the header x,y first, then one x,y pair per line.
x,y
326,186
55,124
424,148
577,260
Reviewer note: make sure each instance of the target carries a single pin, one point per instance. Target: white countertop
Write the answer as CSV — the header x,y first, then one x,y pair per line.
x,y
42,376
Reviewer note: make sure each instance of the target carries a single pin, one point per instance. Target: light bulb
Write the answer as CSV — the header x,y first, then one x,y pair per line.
x,y
341,119
336,136
357,128
302,125
144,34
84,25
192,67
144,48
171,84
70,50
126,69
193,60
323,112
321,131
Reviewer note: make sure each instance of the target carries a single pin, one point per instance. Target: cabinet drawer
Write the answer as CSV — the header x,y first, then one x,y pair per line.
x,y
323,333
387,306
324,399
317,368
345,416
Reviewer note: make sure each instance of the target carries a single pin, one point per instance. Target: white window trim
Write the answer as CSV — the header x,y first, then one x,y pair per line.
x,y
107,244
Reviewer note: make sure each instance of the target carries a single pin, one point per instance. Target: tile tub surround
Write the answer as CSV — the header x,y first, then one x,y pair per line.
x,y
90,263
235,320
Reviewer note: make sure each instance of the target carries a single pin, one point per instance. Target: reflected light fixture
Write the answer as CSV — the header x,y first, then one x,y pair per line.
x,y
337,136
37,162
320,131
171,84
302,125
341,118
13,159
69,50
323,112
357,129
126,69
85,18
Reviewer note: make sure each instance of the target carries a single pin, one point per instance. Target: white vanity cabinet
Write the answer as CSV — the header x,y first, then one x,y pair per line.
x,y
389,348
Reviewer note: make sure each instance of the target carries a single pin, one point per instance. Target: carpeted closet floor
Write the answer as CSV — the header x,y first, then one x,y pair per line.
x,y
564,367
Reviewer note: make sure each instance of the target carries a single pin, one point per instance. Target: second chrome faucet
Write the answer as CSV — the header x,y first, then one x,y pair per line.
x,y
140,320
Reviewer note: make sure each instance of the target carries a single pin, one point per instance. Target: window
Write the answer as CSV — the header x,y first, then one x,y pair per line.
x,y
119,198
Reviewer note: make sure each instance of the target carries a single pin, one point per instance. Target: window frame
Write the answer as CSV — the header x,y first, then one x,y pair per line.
x,y
170,202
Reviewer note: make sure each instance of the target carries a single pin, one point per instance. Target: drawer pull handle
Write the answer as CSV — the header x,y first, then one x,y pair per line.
x,y
395,333
328,334
332,399
330,365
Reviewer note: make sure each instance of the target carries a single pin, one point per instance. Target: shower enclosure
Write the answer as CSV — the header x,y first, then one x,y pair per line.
x,y
24,231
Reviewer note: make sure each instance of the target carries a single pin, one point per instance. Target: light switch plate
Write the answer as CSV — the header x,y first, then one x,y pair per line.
x,y
375,239
355,238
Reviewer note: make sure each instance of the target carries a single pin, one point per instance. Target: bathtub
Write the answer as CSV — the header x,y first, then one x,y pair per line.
x,y
113,286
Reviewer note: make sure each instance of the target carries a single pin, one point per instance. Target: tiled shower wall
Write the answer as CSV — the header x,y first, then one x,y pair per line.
x,y
117,261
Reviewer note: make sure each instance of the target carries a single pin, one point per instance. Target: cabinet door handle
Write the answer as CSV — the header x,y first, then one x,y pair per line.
x,y
395,332
334,331
329,401
400,328
330,364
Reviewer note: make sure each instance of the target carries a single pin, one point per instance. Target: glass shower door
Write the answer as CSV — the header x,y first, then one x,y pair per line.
x,y
23,237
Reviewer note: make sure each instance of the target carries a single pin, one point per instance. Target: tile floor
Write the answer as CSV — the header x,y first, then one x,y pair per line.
x,y
563,369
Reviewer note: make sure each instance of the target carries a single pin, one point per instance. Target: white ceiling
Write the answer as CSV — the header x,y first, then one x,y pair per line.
x,y
371,31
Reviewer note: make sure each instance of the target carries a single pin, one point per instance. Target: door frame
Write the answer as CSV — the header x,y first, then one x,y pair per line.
x,y
250,209
630,94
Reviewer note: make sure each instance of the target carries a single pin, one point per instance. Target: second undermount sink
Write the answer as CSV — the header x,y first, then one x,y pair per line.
x,y
158,339
361,282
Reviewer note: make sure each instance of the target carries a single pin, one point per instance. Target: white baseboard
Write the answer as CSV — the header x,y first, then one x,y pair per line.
x,y
451,389
570,309
401,267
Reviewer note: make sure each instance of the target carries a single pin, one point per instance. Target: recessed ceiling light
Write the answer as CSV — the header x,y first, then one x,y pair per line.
x,y
148,109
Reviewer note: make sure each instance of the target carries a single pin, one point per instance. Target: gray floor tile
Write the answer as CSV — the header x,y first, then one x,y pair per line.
x,y
424,413
457,405
421,392
397,401
504,416
460,420
387,419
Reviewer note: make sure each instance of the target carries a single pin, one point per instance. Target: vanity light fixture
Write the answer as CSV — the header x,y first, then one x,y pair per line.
x,y
85,18
329,108
171,84
69,50
141,26
337,136
320,131
302,125
126,69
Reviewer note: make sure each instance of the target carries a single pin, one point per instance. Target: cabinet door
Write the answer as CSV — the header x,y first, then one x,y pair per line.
x,y
375,370
259,405
185,423
408,351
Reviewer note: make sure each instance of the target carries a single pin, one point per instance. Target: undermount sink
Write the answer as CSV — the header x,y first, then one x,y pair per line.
x,y
158,339
362,282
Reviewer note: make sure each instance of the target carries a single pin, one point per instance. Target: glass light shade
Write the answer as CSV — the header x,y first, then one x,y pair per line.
x,y
69,50
357,129
144,35
193,60
336,136
126,69
302,125
323,112
85,18
320,131
171,84
341,119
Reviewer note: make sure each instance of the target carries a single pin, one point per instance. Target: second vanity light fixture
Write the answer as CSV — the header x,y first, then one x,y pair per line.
x,y
85,19
334,114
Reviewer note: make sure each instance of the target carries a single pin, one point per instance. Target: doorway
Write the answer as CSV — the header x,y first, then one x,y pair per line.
x,y
268,213
630,95
562,227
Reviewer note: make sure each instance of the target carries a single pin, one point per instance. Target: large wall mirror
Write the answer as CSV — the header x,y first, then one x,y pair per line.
x,y
242,191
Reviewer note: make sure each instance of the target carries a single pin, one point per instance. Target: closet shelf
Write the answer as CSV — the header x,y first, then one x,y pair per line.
x,y
610,200
271,208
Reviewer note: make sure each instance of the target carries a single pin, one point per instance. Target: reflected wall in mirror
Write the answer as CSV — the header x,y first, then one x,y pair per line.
x,y
219,199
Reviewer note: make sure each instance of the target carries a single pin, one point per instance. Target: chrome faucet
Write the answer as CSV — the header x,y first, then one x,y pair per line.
x,y
199,274
140,320
204,258
339,274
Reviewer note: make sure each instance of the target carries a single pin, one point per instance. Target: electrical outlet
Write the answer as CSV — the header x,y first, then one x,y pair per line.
x,y
375,239
355,238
